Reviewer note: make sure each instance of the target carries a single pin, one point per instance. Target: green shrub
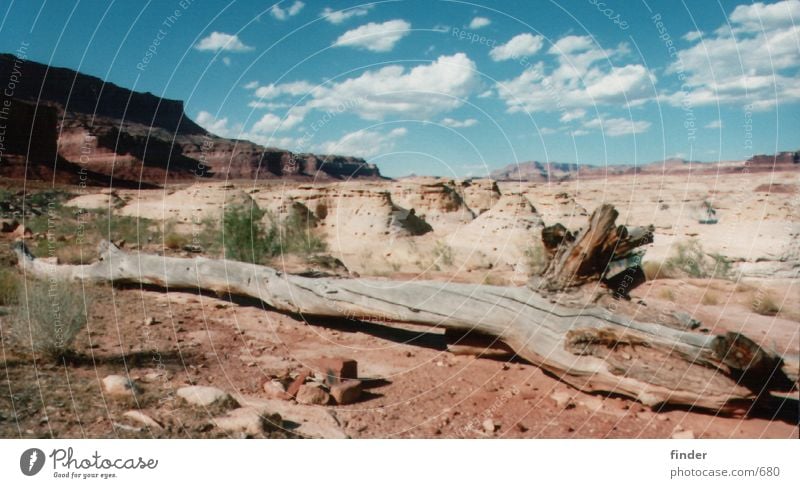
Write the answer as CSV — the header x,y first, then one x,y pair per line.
x,y
49,317
9,285
247,238
690,259
244,236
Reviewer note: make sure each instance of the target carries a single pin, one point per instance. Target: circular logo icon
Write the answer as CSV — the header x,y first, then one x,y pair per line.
x,y
31,461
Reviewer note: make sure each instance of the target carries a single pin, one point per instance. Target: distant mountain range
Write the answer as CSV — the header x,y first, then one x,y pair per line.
x,y
554,172
62,125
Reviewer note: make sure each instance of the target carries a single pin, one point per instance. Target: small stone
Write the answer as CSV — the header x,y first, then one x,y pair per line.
x,y
8,225
593,404
143,419
662,417
562,399
275,389
150,321
683,434
117,385
206,396
312,395
489,426
248,421
346,392
337,368
301,378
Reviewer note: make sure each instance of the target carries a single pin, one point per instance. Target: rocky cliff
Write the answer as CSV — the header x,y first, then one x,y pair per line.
x,y
60,122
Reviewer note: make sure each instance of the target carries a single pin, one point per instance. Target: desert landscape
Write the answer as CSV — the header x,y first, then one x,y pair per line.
x,y
158,280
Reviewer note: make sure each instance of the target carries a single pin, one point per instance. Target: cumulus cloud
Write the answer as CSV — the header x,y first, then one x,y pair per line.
x,y
571,115
577,80
457,124
714,124
284,13
220,41
519,46
421,92
251,85
615,127
692,36
363,143
479,22
273,123
339,16
294,88
753,61
379,38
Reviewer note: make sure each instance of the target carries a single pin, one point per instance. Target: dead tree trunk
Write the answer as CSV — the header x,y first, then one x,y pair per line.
x,y
593,252
591,349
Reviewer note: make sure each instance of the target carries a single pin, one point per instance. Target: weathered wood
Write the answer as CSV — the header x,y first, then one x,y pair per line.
x,y
591,349
585,257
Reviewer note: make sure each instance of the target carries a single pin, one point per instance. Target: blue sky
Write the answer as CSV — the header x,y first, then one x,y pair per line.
x,y
444,87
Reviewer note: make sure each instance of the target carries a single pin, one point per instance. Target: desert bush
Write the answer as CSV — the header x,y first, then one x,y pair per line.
x,y
535,258
247,238
48,318
244,236
656,270
764,304
710,298
689,258
174,241
9,285
667,294
296,236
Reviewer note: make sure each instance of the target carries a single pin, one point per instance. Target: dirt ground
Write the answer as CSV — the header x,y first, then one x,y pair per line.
x,y
415,387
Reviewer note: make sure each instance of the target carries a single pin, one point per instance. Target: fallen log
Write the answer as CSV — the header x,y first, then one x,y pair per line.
x,y
591,349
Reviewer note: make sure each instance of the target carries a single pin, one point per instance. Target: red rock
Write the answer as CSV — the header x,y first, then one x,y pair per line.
x,y
312,395
294,387
275,389
337,369
346,392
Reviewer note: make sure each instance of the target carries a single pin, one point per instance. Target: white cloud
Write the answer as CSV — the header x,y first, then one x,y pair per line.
x,y
714,124
479,22
692,36
226,61
615,127
217,126
578,80
284,13
571,115
294,88
758,16
753,61
457,124
273,123
220,41
519,46
379,38
363,143
486,94
421,92
267,105
251,85
339,16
